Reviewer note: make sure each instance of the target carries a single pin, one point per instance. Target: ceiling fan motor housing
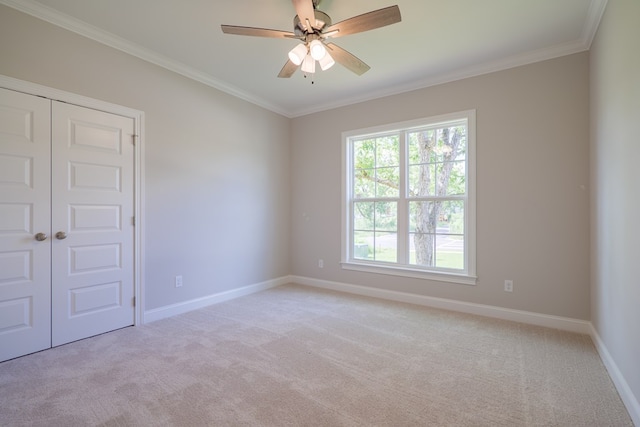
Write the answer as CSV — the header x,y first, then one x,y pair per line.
x,y
314,35
322,21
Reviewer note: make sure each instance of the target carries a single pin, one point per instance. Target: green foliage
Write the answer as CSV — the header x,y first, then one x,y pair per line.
x,y
376,216
436,168
456,223
377,167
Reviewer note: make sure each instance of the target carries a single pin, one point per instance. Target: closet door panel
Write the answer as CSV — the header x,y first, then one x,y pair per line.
x,y
25,206
92,245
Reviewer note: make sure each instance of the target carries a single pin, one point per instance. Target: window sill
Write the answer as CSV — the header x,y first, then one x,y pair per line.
x,y
440,276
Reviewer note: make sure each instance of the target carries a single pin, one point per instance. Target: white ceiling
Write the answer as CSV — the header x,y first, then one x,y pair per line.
x,y
437,41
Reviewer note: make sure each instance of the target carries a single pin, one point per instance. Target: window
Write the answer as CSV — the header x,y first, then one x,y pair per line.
x,y
409,199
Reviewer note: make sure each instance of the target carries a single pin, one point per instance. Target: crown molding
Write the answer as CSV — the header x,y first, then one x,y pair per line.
x,y
77,26
40,11
592,22
596,11
460,74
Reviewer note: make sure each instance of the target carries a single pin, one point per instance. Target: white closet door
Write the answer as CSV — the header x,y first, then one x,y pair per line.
x,y
25,263
92,222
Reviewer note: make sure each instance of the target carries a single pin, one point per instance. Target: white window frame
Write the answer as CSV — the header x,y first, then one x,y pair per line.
x,y
348,262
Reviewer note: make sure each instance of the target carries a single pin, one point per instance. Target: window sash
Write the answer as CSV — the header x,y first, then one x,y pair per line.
x,y
353,255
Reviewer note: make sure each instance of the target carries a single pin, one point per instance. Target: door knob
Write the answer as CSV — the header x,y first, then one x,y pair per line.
x,y
61,235
41,237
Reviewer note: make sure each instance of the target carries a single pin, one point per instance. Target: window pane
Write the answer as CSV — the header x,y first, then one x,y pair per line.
x,y
423,228
376,167
422,217
386,216
452,179
446,217
422,180
388,182
448,143
386,247
422,249
437,229
462,152
421,147
451,217
363,216
364,153
451,144
434,198
363,244
450,252
364,185
437,162
387,151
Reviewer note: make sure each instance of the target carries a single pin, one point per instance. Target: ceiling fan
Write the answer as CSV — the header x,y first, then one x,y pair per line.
x,y
313,28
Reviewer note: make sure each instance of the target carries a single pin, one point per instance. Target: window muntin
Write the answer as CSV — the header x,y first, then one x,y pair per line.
x,y
410,197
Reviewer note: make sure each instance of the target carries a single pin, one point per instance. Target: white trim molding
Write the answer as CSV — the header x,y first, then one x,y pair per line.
x,y
195,304
53,16
630,401
528,317
138,117
106,38
626,394
402,266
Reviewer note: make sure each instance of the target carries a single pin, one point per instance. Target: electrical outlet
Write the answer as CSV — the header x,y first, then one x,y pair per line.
x,y
178,281
320,263
508,285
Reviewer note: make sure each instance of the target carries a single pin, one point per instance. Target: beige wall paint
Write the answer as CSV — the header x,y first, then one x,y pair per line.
x,y
615,152
532,178
218,174
217,168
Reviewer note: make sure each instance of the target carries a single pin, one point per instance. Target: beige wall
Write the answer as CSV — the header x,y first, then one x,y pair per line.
x,y
615,151
532,179
217,174
237,195
217,168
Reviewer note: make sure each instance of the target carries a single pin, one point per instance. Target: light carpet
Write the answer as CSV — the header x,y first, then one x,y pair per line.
x,y
299,356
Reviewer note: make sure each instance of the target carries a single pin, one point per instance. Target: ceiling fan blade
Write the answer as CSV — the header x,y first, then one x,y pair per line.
x,y
365,22
304,10
257,32
347,59
288,70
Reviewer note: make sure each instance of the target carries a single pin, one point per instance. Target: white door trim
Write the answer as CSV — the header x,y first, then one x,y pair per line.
x,y
139,208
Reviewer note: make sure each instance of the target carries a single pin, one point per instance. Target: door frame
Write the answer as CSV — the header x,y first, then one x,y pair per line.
x,y
139,208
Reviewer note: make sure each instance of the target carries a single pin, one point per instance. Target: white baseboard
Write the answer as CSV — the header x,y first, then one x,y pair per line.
x,y
627,396
556,322
194,304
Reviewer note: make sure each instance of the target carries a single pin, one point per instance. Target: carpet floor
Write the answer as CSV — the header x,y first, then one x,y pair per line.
x,y
299,356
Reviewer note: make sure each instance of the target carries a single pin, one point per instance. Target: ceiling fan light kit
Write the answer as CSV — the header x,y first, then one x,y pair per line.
x,y
313,27
326,62
297,54
308,65
317,50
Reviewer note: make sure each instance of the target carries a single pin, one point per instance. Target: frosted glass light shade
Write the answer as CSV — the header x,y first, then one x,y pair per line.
x,y
317,50
297,54
309,65
326,62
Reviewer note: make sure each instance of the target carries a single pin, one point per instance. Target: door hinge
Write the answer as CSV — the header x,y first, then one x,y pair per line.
x,y
133,220
134,301
134,139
